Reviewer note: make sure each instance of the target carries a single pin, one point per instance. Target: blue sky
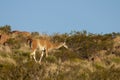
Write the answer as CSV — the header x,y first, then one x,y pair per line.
x,y
61,16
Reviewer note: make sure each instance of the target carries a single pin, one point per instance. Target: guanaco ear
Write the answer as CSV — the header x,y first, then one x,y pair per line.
x,y
64,43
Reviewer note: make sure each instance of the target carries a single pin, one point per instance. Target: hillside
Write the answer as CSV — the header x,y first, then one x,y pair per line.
x,y
89,56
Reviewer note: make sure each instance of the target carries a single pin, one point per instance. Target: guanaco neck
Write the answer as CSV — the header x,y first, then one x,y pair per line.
x,y
57,46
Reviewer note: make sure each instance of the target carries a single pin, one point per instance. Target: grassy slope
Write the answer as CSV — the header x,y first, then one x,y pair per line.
x,y
88,58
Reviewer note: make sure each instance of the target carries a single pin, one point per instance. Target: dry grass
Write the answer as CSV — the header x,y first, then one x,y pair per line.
x,y
7,60
54,68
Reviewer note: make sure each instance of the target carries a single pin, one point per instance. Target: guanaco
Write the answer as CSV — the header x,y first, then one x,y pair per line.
x,y
45,46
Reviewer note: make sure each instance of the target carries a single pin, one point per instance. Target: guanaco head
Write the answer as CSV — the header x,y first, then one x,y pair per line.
x,y
59,45
64,45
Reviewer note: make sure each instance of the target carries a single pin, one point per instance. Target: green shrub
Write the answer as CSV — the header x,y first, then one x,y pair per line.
x,y
116,60
51,59
5,28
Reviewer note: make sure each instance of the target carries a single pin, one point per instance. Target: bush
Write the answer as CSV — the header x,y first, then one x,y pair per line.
x,y
51,59
5,28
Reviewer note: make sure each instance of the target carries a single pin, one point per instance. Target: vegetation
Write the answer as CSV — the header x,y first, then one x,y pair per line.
x,y
89,57
5,28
